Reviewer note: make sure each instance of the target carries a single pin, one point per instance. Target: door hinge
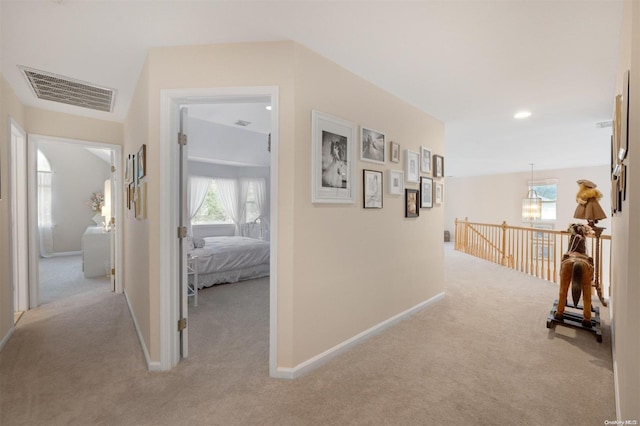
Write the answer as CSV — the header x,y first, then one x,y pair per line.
x,y
182,324
113,169
182,232
182,139
113,271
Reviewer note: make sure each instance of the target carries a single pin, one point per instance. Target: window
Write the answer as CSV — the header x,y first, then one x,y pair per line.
x,y
211,212
252,211
547,190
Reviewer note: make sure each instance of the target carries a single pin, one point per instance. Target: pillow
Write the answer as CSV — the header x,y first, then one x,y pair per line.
x,y
198,242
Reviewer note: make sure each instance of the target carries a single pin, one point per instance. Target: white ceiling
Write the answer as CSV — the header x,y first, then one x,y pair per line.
x,y
228,113
471,64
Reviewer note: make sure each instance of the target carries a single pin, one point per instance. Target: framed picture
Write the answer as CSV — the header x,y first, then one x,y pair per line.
x,y
134,169
438,166
412,166
332,159
439,193
372,189
396,182
623,147
372,146
129,189
127,169
411,208
425,160
395,152
142,161
426,192
141,201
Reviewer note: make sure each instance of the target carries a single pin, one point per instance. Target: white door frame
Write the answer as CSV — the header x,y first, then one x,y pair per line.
x,y
170,102
34,252
19,222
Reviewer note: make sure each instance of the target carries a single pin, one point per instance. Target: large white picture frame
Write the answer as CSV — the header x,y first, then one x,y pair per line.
x,y
332,159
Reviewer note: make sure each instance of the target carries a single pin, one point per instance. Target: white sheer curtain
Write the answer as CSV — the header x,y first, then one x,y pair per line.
x,y
260,196
196,193
259,186
45,220
231,196
260,192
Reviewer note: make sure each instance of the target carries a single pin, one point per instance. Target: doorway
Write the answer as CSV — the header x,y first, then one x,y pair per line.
x,y
19,223
173,264
68,239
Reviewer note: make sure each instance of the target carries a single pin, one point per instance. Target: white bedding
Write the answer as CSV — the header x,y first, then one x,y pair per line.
x,y
230,259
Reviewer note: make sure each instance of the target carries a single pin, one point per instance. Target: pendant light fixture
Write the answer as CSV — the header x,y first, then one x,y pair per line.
x,y
532,204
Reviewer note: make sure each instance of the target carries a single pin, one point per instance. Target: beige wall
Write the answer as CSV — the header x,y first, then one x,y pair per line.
x,y
49,123
352,268
136,232
355,268
497,198
10,107
626,234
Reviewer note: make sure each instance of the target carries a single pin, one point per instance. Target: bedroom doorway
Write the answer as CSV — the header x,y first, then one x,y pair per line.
x,y
71,249
224,164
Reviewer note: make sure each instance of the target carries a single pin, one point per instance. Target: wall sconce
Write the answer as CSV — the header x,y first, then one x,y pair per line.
x,y
532,204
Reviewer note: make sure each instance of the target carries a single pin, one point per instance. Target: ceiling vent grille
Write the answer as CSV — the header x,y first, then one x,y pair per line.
x,y
57,88
242,123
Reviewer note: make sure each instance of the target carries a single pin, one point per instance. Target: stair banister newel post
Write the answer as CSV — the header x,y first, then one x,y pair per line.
x,y
503,247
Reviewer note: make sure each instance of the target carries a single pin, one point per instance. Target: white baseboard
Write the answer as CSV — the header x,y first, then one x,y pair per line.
x,y
318,360
6,338
152,366
616,383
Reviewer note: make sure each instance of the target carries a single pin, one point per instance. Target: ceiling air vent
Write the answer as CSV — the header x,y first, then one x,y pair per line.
x,y
57,88
242,123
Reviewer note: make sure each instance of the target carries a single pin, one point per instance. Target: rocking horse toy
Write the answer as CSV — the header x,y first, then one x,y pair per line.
x,y
577,267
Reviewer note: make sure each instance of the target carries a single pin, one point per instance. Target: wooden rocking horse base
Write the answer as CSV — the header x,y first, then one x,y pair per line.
x,y
573,319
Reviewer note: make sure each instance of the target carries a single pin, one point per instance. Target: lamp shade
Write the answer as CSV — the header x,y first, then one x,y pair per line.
x,y
531,207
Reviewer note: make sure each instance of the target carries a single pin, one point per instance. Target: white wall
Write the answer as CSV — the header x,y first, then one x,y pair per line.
x,y
77,173
497,198
221,143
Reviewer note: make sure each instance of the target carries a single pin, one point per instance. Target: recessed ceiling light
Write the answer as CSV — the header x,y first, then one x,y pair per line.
x,y
268,107
522,114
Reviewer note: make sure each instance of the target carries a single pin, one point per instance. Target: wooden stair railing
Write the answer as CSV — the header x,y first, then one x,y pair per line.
x,y
534,251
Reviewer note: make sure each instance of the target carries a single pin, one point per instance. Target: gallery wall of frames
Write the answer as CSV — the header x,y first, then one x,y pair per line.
x,y
338,143
135,185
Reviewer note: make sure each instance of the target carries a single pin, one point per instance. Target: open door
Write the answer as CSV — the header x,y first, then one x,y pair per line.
x,y
183,217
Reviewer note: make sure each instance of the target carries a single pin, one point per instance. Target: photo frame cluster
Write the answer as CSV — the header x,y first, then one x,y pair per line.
x,y
135,186
333,164
620,147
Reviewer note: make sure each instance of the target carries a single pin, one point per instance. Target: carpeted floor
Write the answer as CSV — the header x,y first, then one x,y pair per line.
x,y
62,278
481,356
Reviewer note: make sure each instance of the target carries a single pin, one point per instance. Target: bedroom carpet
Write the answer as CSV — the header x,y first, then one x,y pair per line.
x,y
61,277
480,356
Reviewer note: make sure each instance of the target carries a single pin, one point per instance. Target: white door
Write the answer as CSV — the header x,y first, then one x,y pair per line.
x,y
183,218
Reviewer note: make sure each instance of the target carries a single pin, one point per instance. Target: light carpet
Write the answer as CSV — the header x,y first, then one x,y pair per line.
x,y
481,356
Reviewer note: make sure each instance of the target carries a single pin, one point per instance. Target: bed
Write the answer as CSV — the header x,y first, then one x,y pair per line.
x,y
229,260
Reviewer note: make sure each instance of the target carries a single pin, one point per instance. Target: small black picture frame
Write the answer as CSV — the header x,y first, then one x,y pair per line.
x,y
411,203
